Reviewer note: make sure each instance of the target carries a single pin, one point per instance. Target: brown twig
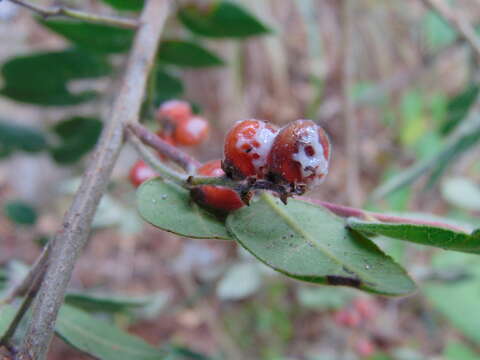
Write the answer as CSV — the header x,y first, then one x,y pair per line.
x,y
457,21
187,162
47,12
73,235
36,272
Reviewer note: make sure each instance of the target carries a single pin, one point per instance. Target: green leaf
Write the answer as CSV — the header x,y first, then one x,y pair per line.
x,y
95,37
458,107
20,137
223,19
438,32
240,281
20,213
7,313
100,339
307,242
125,5
421,234
457,143
78,135
187,54
30,78
457,351
462,192
169,207
103,303
167,86
458,301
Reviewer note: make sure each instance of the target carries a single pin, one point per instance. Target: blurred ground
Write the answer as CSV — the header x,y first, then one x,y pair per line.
x,y
294,74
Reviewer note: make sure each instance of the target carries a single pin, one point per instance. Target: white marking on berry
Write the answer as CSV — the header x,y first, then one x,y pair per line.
x,y
196,126
311,156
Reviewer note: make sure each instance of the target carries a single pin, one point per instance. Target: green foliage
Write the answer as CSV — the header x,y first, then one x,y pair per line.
x,y
323,299
20,212
457,351
462,192
458,300
221,19
438,32
103,303
170,208
78,136
94,37
458,107
100,339
187,54
19,137
7,313
167,86
309,243
125,5
31,78
420,234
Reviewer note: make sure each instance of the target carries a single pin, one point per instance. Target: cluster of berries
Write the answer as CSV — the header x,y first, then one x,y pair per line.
x,y
289,161
361,311
178,127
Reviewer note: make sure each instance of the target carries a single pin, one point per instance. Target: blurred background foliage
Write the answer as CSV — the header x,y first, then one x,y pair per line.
x,y
416,99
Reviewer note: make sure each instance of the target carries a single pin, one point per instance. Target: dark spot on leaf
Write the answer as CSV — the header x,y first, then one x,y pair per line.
x,y
343,280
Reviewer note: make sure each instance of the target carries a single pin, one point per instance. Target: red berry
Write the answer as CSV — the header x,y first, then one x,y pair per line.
x,y
300,154
364,347
174,111
347,318
367,308
191,131
246,150
217,198
140,172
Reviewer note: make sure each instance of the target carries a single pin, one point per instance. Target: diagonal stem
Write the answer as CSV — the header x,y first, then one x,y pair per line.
x,y
78,14
72,237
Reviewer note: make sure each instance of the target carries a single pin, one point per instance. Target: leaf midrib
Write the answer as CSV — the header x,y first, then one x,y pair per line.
x,y
282,213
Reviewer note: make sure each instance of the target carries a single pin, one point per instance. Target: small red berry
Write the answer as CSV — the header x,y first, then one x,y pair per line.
x,y
367,308
246,150
216,198
191,131
300,154
140,172
347,318
365,347
174,111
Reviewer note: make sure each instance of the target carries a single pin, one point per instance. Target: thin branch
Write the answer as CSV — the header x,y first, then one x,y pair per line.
x,y
346,211
27,301
72,237
187,162
47,12
36,272
162,170
457,21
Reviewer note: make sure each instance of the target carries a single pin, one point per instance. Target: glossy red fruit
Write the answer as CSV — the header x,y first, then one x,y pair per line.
x,y
300,154
191,131
174,110
217,198
246,149
140,172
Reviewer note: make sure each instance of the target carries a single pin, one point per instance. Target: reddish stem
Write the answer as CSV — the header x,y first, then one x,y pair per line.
x,y
187,162
346,211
